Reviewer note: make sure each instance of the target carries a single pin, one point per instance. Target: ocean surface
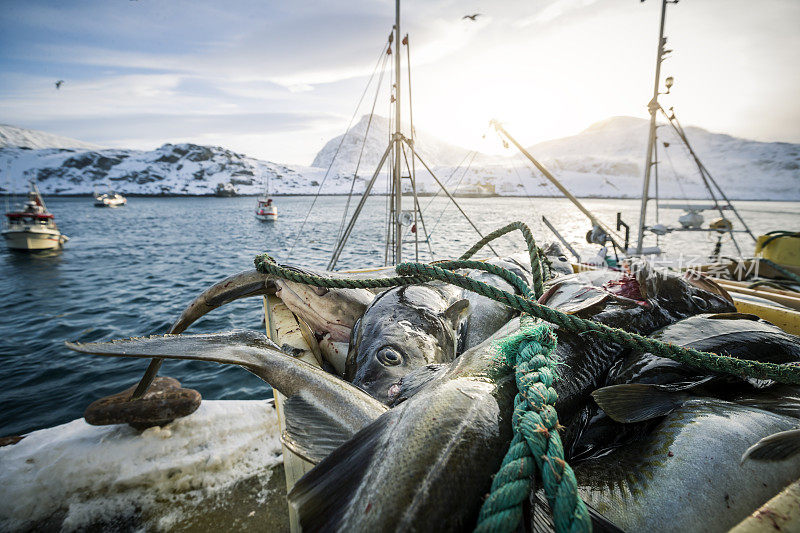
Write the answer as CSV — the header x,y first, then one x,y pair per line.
x,y
130,272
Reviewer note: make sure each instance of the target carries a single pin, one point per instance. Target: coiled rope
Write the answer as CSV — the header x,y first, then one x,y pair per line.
x,y
536,441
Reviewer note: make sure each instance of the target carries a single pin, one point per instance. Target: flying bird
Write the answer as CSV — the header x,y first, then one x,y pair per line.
x,y
58,84
471,17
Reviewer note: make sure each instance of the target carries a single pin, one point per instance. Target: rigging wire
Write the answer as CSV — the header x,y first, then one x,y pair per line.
x,y
702,170
446,182
463,175
363,144
336,153
412,171
678,180
418,210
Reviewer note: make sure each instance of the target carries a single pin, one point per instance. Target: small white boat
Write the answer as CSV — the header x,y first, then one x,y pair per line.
x,y
110,199
33,227
266,210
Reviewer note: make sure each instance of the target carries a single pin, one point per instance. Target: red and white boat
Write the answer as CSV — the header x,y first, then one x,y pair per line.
x,y
32,227
266,210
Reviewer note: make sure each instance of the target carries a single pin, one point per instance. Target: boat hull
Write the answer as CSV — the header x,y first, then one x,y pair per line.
x,y
110,203
33,240
268,214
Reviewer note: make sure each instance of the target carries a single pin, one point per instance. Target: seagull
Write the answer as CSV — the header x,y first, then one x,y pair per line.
x,y
471,17
58,84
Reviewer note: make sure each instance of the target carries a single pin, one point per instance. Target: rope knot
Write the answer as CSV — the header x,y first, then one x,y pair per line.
x,y
263,259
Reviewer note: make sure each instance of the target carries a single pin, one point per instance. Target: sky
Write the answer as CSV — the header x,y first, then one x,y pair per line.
x,y
278,79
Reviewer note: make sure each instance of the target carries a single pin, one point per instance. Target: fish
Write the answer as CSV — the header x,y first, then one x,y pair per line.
x,y
246,284
330,313
685,473
429,460
405,328
739,335
318,404
644,386
639,300
486,315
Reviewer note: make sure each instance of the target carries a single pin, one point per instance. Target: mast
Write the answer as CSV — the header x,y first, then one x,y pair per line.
x,y
651,140
396,139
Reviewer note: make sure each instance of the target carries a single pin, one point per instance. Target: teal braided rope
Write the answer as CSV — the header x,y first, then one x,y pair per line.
x,y
512,279
414,273
536,440
744,368
785,273
540,265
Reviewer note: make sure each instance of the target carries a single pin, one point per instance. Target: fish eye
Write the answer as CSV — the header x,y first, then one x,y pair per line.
x,y
388,356
699,302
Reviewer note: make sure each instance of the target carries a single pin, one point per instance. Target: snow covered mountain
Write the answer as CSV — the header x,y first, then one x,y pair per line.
x,y
434,152
170,169
613,151
11,136
605,160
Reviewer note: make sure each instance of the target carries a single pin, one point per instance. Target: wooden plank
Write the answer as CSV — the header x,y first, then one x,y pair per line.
x,y
286,330
788,301
781,513
786,319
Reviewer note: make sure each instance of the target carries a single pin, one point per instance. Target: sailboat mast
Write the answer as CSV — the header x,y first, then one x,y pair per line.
x,y
398,193
651,141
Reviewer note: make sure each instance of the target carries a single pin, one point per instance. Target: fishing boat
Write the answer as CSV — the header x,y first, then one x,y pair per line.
x,y
293,335
32,227
110,199
265,208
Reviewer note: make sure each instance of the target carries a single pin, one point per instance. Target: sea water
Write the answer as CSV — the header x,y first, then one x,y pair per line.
x,y
130,271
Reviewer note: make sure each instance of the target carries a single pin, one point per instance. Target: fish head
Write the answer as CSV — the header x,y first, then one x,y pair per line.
x,y
326,311
405,329
559,263
681,294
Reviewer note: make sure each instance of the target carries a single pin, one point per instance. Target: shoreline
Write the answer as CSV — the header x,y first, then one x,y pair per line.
x,y
421,195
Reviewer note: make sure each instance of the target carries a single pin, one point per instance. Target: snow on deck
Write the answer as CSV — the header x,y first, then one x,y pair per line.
x,y
96,474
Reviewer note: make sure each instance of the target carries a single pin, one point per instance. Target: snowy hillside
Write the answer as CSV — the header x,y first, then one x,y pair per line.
x,y
11,136
605,160
171,169
614,150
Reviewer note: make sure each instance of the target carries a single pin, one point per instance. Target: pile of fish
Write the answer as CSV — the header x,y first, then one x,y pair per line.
x,y
410,416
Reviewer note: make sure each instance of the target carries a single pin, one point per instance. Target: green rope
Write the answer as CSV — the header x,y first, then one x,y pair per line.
x,y
785,273
780,284
415,273
536,442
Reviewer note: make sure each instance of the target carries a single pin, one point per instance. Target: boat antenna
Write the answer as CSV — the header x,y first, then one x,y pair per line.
x,y
653,107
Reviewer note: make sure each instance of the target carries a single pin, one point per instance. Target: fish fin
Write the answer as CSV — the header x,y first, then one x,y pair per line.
x,y
637,402
776,447
232,347
601,524
322,497
456,312
250,349
414,381
310,431
242,285
733,316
